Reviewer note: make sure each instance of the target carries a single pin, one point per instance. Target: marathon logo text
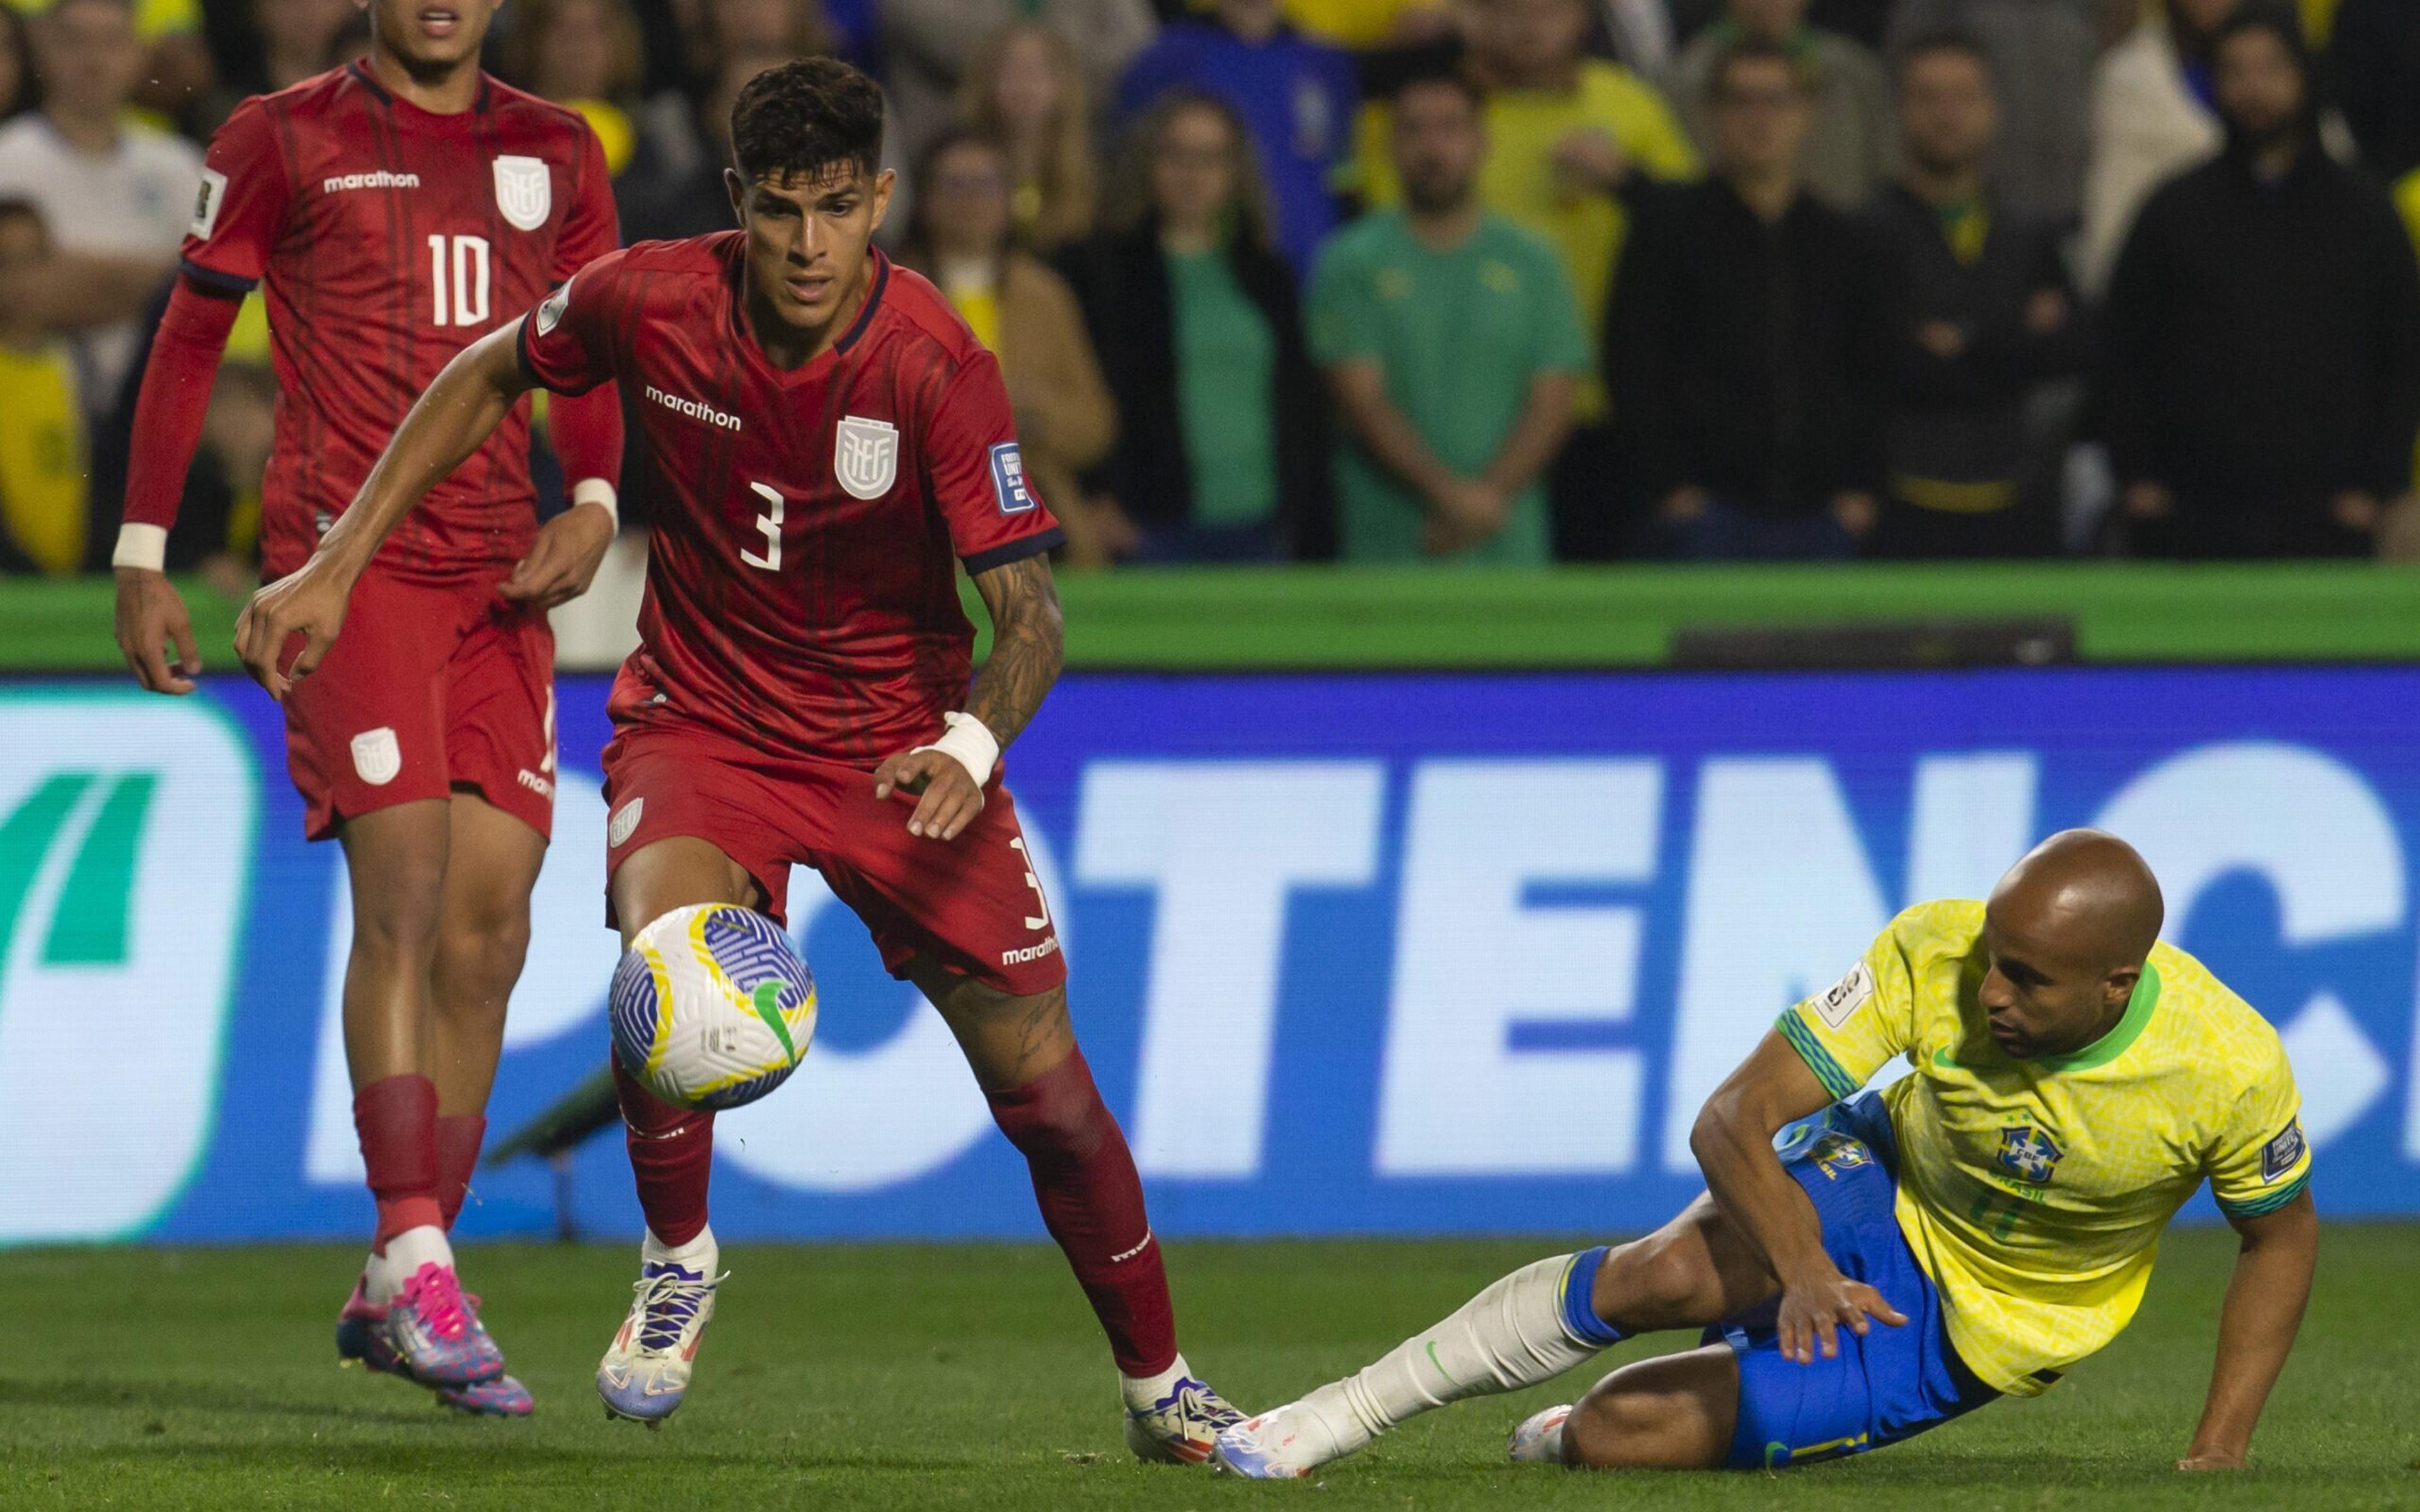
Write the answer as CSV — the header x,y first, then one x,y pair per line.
x,y
377,179
692,409
1030,952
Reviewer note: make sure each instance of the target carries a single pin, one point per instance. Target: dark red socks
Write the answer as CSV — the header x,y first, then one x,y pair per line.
x,y
458,1136
1092,1202
672,1153
396,1119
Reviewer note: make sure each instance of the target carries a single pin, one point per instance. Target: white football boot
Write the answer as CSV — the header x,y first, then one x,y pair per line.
x,y
1539,1439
646,1372
1175,1418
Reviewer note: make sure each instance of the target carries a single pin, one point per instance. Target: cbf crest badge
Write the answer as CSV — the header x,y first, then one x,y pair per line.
x,y
2028,1154
524,190
865,456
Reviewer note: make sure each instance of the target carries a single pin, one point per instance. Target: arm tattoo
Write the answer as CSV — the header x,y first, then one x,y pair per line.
x,y
1027,649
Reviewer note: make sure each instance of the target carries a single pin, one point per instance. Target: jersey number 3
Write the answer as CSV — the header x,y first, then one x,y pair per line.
x,y
463,294
771,523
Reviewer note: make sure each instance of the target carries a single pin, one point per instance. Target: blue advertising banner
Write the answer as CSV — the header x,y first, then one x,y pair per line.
x,y
1370,953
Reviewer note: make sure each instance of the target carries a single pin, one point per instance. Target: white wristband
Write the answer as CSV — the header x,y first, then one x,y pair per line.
x,y
598,491
970,742
141,545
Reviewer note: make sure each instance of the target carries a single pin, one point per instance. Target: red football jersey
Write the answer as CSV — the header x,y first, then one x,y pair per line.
x,y
800,582
391,238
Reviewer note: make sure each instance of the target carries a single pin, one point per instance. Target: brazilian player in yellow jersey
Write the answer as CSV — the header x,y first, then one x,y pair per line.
x,y
1895,1259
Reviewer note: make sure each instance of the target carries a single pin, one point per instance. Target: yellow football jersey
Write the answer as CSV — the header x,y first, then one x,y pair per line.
x,y
2034,1193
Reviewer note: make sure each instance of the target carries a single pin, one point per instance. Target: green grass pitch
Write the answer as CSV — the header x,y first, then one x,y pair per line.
x,y
972,1377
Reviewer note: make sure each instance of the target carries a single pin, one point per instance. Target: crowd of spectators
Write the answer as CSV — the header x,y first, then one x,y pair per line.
x,y
1447,281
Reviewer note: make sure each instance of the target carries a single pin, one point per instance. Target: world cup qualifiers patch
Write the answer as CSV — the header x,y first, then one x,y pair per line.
x,y
1846,996
206,205
1008,479
2278,1155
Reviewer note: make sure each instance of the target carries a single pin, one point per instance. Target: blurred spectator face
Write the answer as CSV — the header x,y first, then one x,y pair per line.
x,y
1252,19
1026,91
575,52
431,36
1947,111
302,28
1775,20
736,69
89,56
2259,85
1440,143
2200,15
1525,37
964,204
756,25
1760,115
1193,167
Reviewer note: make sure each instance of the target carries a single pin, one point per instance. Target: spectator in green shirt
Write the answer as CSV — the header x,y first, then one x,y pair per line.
x,y
1453,344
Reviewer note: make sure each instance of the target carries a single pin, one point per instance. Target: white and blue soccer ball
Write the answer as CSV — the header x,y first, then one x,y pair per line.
x,y
711,1008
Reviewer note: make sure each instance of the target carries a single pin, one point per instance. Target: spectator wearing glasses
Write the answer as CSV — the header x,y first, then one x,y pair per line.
x,y
1220,442
1296,94
2261,382
1850,150
1745,340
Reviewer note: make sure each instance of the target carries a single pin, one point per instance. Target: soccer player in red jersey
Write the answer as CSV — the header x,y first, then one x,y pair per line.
x,y
834,443
399,208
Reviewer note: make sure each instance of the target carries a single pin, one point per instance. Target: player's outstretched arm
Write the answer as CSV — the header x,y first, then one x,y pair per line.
x,y
2255,1329
1733,1142
449,422
1027,650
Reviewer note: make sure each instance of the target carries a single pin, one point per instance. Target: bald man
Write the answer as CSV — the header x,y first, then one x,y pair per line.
x,y
1902,1256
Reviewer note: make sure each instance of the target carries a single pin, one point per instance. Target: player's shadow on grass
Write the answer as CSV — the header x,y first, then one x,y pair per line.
x,y
102,1394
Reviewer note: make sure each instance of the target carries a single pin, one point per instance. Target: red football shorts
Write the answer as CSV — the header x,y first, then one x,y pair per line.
x,y
428,690
973,904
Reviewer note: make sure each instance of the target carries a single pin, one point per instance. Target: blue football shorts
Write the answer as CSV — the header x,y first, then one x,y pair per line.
x,y
1894,1382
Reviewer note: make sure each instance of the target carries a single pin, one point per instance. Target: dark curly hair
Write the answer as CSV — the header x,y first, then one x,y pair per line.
x,y
801,118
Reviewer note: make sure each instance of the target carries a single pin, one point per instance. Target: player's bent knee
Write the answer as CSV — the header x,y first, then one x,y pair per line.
x,y
1651,1283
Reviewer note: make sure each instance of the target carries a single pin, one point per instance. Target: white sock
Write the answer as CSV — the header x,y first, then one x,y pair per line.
x,y
699,1254
1509,1337
1143,1393
383,1275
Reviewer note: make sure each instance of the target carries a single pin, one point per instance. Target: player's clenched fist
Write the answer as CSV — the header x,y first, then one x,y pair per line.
x,y
1812,1316
309,603
947,794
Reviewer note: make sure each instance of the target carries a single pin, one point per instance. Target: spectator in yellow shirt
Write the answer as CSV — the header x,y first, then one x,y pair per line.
x,y
42,452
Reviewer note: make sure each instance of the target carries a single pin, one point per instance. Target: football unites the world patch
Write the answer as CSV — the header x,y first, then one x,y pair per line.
x,y
1008,479
2279,1155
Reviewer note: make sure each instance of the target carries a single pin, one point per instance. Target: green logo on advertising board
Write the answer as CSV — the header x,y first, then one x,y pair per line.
x,y
126,838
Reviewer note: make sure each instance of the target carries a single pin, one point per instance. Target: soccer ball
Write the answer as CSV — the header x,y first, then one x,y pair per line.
x,y
711,1008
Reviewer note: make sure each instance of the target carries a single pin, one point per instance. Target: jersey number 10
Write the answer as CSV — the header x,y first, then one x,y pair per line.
x,y
465,258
